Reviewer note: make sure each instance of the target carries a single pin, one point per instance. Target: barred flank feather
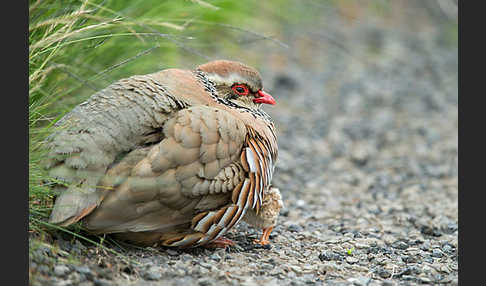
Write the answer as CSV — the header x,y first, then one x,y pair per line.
x,y
165,158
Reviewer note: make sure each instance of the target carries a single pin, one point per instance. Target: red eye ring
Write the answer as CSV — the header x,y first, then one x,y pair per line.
x,y
240,89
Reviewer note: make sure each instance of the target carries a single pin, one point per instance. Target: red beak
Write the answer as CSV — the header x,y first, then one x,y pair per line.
x,y
264,98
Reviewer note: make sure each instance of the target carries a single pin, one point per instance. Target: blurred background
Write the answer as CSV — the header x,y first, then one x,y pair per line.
x,y
79,47
316,57
366,113
341,71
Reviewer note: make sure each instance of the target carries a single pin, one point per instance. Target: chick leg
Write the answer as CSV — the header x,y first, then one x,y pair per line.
x,y
264,239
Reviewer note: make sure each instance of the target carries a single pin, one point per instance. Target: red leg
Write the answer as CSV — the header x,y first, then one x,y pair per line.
x,y
219,243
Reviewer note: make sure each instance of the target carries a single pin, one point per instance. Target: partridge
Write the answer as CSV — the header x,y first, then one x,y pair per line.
x,y
174,158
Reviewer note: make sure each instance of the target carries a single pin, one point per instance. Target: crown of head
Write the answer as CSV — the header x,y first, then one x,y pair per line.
x,y
235,84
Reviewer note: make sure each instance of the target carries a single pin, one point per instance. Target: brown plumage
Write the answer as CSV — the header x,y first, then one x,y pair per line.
x,y
176,157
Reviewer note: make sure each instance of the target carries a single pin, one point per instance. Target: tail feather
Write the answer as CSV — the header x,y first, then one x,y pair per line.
x,y
72,205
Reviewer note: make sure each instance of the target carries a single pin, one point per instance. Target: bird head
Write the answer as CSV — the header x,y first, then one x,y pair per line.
x,y
237,83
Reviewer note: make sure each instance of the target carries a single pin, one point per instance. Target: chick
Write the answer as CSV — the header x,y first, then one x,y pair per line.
x,y
266,219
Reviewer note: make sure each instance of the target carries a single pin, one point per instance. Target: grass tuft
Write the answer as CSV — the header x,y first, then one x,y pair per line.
x,y
78,47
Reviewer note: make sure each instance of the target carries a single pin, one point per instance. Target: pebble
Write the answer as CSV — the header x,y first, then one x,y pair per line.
x,y
448,248
172,252
66,282
186,257
432,231
360,281
215,257
383,273
206,265
351,260
295,228
102,282
205,282
450,228
400,245
408,278
152,275
437,253
361,245
454,266
409,259
82,269
366,160
329,255
389,239
444,268
61,270
43,269
295,268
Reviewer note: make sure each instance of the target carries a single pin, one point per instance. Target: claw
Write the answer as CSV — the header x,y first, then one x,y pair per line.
x,y
264,239
220,243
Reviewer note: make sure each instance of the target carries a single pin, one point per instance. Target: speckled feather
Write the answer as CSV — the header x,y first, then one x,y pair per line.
x,y
164,158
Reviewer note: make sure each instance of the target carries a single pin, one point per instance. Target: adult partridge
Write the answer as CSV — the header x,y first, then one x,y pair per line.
x,y
173,158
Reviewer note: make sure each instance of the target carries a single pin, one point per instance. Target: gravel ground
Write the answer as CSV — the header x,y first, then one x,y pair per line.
x,y
367,120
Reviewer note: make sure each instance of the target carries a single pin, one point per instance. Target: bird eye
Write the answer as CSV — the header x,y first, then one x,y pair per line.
x,y
240,89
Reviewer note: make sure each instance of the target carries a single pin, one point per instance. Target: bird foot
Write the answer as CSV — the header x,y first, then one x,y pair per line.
x,y
264,239
262,242
220,243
